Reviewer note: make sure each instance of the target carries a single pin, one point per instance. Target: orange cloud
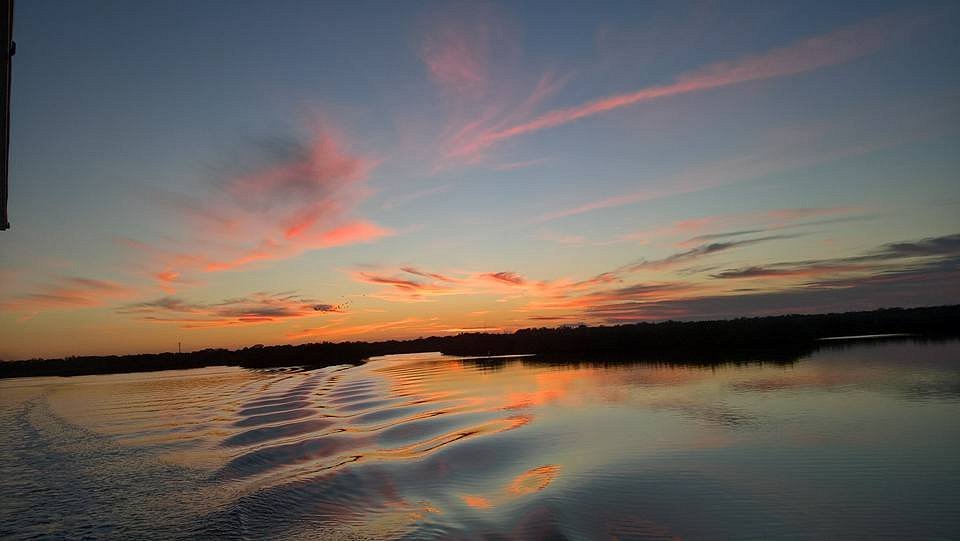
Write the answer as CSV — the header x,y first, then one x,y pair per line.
x,y
577,297
411,287
402,288
473,329
301,197
509,278
253,309
169,279
433,275
357,232
368,329
617,296
168,276
69,292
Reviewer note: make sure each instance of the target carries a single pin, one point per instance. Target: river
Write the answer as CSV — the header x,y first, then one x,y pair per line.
x,y
860,439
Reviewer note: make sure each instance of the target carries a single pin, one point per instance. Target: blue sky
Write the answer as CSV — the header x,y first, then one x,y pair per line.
x,y
228,173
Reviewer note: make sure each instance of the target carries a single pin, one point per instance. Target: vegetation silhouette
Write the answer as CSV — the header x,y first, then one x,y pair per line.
x,y
778,339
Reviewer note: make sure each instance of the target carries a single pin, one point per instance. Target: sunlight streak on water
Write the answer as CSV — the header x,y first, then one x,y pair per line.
x,y
853,442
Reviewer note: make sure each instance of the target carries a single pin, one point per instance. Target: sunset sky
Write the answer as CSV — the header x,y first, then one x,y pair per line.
x,y
225,173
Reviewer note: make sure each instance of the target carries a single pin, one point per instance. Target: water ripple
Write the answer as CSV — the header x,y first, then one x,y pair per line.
x,y
430,447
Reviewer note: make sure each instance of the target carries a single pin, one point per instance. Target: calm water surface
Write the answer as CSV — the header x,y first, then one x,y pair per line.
x,y
851,442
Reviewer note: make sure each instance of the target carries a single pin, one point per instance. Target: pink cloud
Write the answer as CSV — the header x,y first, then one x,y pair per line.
x,y
466,47
694,179
471,52
303,199
356,232
769,159
460,144
456,55
836,47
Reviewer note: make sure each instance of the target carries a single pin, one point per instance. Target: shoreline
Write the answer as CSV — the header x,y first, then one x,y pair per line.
x,y
782,338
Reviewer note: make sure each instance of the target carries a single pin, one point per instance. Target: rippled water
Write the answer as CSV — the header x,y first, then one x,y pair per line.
x,y
852,442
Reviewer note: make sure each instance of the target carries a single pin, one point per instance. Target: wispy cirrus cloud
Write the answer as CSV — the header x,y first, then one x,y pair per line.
x,y
895,253
68,292
472,329
766,160
579,305
458,46
766,220
944,246
341,330
925,284
887,271
833,48
792,219
472,54
352,232
621,296
295,196
907,273
410,284
749,223
407,287
503,277
693,254
169,279
256,308
776,271
457,143
812,145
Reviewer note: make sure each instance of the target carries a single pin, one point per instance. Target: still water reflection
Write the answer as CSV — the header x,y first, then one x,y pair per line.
x,y
851,442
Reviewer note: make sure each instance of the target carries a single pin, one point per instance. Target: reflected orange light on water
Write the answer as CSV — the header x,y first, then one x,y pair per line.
x,y
477,502
429,443
534,480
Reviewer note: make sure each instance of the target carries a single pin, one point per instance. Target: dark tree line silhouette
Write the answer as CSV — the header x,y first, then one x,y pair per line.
x,y
775,338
